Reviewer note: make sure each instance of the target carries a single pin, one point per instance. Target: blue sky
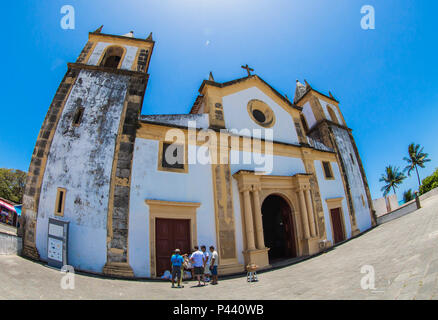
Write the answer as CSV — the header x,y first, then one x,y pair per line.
x,y
386,79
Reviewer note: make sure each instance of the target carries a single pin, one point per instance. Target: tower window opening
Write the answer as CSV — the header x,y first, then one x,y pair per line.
x,y
327,170
77,119
60,201
112,57
332,115
305,126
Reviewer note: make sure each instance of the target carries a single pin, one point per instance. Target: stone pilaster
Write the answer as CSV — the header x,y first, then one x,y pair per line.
x,y
304,216
117,264
258,217
310,214
224,211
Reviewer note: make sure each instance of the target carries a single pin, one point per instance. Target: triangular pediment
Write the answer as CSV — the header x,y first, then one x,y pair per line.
x,y
234,86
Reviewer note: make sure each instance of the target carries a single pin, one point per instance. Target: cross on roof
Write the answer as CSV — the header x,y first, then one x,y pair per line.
x,y
248,69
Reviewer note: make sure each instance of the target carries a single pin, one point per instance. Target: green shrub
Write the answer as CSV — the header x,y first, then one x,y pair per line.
x,y
408,196
429,183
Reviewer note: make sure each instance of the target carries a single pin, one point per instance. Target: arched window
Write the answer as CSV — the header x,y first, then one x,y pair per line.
x,y
332,115
112,57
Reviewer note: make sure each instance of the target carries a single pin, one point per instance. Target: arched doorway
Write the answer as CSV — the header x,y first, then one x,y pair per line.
x,y
278,228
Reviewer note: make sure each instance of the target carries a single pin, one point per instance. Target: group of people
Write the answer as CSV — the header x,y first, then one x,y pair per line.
x,y
201,263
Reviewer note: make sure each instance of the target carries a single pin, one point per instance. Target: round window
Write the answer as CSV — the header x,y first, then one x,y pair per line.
x,y
261,113
259,116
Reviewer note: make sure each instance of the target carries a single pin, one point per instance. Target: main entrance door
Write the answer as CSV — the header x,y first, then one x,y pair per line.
x,y
278,228
338,230
170,234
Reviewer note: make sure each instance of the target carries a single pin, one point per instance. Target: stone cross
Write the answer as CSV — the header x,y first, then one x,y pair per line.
x,y
248,69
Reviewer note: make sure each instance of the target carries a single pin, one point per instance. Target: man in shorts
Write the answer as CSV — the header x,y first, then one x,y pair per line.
x,y
198,259
213,264
176,261
207,257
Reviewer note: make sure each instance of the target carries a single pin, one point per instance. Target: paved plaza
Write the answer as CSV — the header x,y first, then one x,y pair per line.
x,y
403,254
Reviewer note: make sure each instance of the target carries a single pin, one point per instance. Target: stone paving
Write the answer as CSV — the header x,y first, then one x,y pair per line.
x,y
403,253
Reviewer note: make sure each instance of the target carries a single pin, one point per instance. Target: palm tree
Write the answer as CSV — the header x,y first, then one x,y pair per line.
x,y
417,158
392,177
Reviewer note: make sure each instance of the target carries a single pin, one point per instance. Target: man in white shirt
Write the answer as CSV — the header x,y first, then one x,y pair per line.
x,y
198,260
213,264
207,256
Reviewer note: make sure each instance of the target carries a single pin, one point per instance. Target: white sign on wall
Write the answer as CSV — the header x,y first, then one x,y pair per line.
x,y
57,241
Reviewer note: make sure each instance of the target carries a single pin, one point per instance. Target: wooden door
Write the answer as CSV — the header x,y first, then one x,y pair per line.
x,y
289,231
170,234
338,229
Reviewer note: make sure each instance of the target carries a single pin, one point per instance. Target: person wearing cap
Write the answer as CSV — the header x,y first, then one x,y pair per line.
x,y
176,261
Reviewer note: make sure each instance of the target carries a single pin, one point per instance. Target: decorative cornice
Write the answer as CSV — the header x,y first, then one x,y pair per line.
x,y
151,202
83,66
328,122
149,40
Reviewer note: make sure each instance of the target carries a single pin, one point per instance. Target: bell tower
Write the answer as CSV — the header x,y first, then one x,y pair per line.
x,y
85,148
323,121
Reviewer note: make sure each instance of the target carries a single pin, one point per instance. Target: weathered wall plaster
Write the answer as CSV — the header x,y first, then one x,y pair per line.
x,y
354,176
80,160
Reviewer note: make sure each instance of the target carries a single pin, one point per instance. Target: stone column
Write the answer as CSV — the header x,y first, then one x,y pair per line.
x,y
249,225
258,218
304,214
310,213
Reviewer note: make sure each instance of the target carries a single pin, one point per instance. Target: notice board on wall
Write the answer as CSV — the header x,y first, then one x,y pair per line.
x,y
57,243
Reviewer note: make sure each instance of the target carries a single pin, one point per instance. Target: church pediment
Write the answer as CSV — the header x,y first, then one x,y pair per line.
x,y
230,87
250,106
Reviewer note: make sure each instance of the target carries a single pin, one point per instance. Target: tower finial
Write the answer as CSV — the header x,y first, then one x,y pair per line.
x,y
307,84
210,77
149,37
99,30
331,96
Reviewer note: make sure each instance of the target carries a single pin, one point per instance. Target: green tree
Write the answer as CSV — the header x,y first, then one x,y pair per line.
x,y
429,183
408,196
417,158
392,178
12,183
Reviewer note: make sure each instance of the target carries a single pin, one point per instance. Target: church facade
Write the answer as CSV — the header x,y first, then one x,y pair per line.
x,y
260,177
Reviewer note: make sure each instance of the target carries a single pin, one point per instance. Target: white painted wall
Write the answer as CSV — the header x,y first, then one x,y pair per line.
x,y
80,160
330,189
149,183
128,60
308,114
381,205
237,117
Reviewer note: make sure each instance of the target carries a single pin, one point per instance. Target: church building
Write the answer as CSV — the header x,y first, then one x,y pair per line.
x,y
261,177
